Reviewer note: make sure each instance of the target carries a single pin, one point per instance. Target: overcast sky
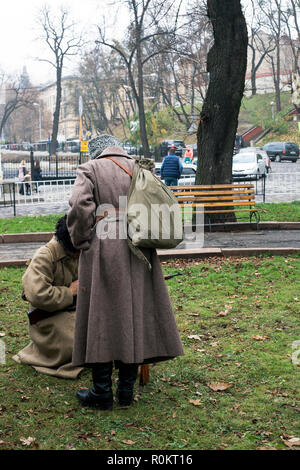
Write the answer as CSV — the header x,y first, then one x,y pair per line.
x,y
19,33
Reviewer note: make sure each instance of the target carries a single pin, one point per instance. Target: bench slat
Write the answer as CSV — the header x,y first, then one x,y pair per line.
x,y
214,186
217,198
213,193
227,211
219,204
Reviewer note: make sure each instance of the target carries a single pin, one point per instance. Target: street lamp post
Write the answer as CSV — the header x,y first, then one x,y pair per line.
x,y
273,113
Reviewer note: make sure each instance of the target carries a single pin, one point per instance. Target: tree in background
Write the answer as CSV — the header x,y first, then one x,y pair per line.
x,y
226,65
58,31
17,94
149,23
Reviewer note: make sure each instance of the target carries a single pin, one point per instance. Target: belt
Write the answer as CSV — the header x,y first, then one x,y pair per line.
x,y
37,314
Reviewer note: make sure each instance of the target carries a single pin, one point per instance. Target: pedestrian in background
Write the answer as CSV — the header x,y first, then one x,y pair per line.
x,y
21,176
188,155
171,168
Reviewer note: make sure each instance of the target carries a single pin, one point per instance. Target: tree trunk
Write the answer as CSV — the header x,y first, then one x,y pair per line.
x,y
277,82
142,118
226,64
56,112
253,72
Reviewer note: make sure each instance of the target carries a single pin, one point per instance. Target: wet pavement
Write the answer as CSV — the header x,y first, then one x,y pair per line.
x,y
253,239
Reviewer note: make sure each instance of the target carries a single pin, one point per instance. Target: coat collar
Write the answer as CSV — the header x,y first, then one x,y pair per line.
x,y
113,152
57,249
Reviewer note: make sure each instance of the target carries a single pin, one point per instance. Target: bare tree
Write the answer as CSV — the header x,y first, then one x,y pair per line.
x,y
63,41
149,21
273,25
260,44
226,64
16,95
291,20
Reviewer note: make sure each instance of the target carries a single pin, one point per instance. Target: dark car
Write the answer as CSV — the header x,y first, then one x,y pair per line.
x,y
167,144
130,149
278,151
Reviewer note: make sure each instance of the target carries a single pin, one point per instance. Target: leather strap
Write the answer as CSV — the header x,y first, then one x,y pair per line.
x,y
120,165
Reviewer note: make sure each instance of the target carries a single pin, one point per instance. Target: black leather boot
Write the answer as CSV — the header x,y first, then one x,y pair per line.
x,y
127,378
100,395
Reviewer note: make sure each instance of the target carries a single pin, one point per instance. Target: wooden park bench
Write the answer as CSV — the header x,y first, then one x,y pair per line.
x,y
222,199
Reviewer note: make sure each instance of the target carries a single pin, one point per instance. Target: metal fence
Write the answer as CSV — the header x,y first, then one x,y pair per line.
x,y
47,192
62,166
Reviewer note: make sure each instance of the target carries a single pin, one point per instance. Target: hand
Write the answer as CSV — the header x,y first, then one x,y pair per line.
x,y
74,287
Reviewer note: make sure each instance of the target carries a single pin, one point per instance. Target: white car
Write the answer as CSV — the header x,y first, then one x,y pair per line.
x,y
248,164
188,174
263,153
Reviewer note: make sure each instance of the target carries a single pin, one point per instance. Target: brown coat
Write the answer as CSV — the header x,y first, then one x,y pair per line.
x,y
123,310
45,285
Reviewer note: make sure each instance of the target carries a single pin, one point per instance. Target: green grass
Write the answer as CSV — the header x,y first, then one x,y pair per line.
x,y
259,297
281,212
257,109
39,223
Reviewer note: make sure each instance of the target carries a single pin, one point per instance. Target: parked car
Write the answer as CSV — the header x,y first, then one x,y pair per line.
x,y
279,151
263,153
167,144
247,164
188,175
130,149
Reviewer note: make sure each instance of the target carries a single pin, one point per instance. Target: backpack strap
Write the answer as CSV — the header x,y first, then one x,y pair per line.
x,y
120,165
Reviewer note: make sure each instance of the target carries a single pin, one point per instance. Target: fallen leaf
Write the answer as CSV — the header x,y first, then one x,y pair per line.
x,y
174,415
293,442
23,398
222,314
1,335
235,407
113,432
129,442
195,402
198,337
220,386
259,338
27,441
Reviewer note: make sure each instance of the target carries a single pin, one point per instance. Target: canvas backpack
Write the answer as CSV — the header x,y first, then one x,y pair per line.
x,y
154,217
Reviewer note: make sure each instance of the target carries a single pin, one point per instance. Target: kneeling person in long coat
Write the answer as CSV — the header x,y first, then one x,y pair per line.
x,y
123,309
50,285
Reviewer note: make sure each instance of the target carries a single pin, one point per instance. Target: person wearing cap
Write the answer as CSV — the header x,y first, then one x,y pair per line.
x,y
171,168
124,315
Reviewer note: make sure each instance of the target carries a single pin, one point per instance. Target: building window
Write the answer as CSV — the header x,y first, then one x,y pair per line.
x,y
77,130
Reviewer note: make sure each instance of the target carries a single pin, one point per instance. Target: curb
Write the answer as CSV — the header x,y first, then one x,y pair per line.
x,y
198,254
26,237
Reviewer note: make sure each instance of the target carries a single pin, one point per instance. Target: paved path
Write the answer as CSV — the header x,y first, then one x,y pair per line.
x,y
255,239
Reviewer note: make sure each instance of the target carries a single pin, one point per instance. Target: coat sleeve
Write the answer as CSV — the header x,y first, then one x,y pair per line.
x,y
81,215
38,283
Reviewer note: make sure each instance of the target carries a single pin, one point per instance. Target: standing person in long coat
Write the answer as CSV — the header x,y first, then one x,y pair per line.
x,y
123,310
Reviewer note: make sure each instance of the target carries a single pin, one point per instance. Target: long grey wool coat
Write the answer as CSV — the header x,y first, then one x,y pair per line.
x,y
123,309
